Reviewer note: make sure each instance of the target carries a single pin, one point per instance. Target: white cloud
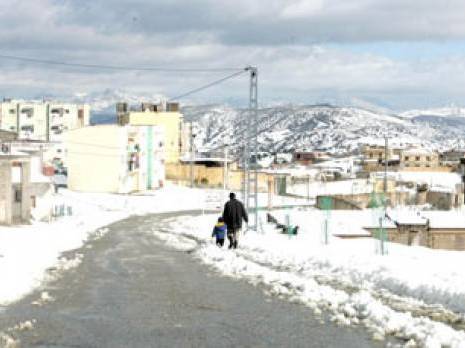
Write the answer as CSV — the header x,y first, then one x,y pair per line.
x,y
286,39
303,8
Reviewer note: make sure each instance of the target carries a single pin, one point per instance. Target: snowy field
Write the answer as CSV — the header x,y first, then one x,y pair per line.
x,y
27,251
412,293
346,187
435,180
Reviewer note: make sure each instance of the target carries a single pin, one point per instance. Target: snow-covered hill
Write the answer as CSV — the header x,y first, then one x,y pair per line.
x,y
436,112
284,128
322,127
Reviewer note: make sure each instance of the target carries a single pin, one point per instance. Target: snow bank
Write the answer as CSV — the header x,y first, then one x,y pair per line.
x,y
26,252
413,293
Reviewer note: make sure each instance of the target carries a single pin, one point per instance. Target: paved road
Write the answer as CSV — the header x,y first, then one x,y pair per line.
x,y
132,291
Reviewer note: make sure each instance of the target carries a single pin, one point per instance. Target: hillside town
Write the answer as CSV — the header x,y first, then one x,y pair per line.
x,y
49,146
286,173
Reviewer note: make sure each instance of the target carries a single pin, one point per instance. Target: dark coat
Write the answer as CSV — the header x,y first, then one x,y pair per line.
x,y
233,214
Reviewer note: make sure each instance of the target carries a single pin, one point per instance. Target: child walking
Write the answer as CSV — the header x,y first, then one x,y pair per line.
x,y
219,232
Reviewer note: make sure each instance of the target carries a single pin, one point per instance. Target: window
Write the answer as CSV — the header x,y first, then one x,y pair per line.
x,y
12,111
18,194
27,128
417,158
28,111
33,201
428,158
371,155
406,158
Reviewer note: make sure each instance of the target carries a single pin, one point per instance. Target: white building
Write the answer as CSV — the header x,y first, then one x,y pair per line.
x,y
115,159
42,120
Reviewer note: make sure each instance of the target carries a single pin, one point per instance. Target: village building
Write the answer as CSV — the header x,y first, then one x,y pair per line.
x,y
167,117
374,157
451,158
309,157
42,120
25,193
7,136
419,159
115,159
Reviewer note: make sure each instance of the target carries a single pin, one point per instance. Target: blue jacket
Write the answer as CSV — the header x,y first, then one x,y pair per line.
x,y
219,230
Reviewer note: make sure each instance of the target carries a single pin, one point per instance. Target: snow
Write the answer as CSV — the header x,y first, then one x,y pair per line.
x,y
28,251
409,293
341,187
413,293
439,112
438,179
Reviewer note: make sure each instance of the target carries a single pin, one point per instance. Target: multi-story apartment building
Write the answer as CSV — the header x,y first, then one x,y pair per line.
x,y
409,159
418,158
374,157
42,120
166,116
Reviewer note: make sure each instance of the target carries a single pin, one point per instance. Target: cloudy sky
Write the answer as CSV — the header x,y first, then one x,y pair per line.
x,y
394,53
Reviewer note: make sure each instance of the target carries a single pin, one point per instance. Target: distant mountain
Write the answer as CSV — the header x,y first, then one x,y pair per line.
x,y
436,112
286,127
105,102
313,127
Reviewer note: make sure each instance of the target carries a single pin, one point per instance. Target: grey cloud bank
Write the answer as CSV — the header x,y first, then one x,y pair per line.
x,y
296,44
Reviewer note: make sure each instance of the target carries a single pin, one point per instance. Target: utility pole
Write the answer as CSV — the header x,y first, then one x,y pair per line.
x,y
251,148
308,188
225,170
192,136
385,166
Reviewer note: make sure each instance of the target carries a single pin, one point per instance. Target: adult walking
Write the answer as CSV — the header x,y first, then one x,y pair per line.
x,y
233,214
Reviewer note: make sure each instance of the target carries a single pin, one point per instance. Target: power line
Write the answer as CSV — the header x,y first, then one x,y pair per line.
x,y
211,84
112,67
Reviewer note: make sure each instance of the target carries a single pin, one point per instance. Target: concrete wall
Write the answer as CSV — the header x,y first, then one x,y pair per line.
x,y
8,116
12,211
336,203
361,200
26,203
113,158
96,158
171,123
7,136
435,238
41,196
5,193
448,239
212,176
445,200
435,168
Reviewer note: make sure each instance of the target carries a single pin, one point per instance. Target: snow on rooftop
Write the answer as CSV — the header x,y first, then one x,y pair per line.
x,y
418,151
429,178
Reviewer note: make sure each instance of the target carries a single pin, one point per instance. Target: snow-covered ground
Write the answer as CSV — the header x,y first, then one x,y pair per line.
x,y
27,251
435,180
315,188
413,293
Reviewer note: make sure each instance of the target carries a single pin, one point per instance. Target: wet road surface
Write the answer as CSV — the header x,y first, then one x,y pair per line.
x,y
132,291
